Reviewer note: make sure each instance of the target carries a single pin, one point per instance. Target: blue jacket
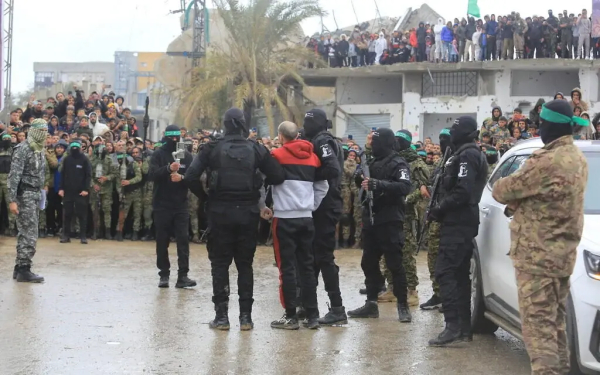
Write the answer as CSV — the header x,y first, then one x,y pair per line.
x,y
490,28
447,34
58,176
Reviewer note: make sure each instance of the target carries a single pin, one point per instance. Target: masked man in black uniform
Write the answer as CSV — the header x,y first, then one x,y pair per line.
x,y
458,212
326,217
170,207
232,164
390,184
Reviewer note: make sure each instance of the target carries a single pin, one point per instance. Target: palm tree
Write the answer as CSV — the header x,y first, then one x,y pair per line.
x,y
251,70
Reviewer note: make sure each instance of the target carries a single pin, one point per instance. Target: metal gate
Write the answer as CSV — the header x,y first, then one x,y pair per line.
x,y
359,126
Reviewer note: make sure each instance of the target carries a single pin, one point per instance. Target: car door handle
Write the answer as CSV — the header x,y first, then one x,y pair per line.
x,y
485,211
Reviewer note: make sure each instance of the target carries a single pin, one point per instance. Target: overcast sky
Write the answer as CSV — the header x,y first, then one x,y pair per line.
x,y
67,31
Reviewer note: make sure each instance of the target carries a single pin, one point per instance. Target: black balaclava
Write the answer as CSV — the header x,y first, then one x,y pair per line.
x,y
404,139
6,141
557,120
445,140
383,142
235,122
491,154
75,148
172,136
315,121
464,130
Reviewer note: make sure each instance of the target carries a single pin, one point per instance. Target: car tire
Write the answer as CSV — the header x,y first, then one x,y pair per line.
x,y
479,323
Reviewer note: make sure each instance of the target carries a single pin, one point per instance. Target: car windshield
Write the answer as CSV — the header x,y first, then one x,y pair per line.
x,y
592,198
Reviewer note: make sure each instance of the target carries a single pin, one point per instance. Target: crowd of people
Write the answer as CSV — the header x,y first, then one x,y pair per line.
x,y
491,38
120,193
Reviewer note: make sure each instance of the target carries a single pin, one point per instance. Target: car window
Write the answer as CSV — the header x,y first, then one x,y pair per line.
x,y
516,164
501,172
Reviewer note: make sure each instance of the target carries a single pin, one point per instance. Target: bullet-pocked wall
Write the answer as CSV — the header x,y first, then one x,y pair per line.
x,y
378,90
433,123
541,83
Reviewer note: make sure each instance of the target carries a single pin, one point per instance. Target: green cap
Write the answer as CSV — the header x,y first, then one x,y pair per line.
x,y
403,135
345,147
414,147
445,132
422,153
75,144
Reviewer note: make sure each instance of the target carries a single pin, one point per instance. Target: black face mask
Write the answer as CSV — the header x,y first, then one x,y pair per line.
x,y
550,131
75,151
170,143
382,144
445,143
492,158
6,143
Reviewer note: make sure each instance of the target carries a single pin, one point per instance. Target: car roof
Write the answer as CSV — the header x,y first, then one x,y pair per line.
x,y
536,143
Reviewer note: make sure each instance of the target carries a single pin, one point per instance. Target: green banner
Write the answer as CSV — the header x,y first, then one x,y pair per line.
x,y
473,9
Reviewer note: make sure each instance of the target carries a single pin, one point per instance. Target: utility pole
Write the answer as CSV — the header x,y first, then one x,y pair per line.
x,y
8,40
195,17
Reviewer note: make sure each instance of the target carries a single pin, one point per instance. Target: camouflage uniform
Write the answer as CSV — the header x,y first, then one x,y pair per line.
x,y
520,28
131,194
347,196
550,34
499,134
48,184
546,198
5,156
193,206
433,239
147,196
101,201
25,181
566,35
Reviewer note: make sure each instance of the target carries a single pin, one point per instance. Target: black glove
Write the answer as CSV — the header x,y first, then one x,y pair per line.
x,y
374,184
435,214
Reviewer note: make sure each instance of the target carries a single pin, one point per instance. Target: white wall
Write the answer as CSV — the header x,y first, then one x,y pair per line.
x,y
394,110
533,82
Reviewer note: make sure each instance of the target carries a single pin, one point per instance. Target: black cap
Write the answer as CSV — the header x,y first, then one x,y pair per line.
x,y
316,116
466,124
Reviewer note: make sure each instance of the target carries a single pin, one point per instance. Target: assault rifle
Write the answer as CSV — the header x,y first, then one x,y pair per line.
x,y
434,195
365,172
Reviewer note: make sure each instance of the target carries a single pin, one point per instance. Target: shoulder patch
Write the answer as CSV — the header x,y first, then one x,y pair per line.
x,y
462,172
404,174
326,150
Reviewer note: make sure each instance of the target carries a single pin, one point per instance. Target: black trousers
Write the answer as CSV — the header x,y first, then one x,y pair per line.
x,y
167,223
491,52
325,222
452,271
75,205
54,210
232,237
421,48
292,242
383,240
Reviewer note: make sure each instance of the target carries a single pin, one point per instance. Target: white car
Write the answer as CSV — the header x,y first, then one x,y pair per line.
x,y
494,288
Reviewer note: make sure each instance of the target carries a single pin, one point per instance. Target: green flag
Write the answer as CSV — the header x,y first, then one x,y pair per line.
x,y
473,9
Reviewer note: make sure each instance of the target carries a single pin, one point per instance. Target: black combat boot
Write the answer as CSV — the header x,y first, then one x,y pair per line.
x,y
434,302
404,313
312,319
127,236
221,320
24,275
94,235
51,232
134,236
286,322
42,233
149,236
83,240
450,334
15,272
466,331
119,236
369,310
335,316
363,291
65,239
184,282
164,282
74,235
107,235
246,323
300,312
196,239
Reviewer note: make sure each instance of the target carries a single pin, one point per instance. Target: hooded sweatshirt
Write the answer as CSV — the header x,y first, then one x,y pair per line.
x,y
438,29
299,195
380,46
534,115
584,106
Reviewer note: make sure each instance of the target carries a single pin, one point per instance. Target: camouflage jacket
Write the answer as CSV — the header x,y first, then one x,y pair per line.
x,y
491,168
349,169
102,167
520,26
419,173
27,168
499,134
6,152
546,198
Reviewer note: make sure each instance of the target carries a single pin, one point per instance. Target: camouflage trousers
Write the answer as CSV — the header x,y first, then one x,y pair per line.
x,y
193,206
347,210
409,260
357,219
101,204
542,304
147,204
4,197
27,227
42,219
433,241
133,198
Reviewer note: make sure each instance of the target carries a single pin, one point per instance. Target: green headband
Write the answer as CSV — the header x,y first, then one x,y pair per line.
x,y
414,147
404,136
422,153
445,132
6,136
75,144
174,133
345,147
120,156
491,151
551,116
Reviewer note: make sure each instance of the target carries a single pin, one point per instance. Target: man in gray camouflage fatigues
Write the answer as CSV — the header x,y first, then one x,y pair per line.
x,y
25,182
